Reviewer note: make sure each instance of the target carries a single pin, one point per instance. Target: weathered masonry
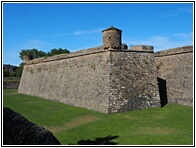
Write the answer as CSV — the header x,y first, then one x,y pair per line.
x,y
109,78
175,71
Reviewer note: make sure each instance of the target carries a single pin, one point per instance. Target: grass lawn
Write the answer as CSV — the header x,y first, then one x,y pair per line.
x,y
170,125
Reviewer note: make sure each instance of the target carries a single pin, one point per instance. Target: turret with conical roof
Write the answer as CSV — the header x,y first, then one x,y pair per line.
x,y
112,38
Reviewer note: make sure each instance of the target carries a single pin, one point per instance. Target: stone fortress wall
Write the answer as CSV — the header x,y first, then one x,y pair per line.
x,y
108,78
175,69
80,81
133,83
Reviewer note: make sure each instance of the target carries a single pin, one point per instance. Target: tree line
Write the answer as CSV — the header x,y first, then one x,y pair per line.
x,y
34,53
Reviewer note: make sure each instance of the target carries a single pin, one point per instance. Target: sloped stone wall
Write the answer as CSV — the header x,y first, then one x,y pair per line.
x,y
133,81
175,67
17,130
107,81
80,79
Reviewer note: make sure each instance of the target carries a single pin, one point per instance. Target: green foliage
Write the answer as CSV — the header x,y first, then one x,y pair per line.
x,y
170,125
23,52
57,51
13,74
19,71
16,73
21,64
35,53
6,73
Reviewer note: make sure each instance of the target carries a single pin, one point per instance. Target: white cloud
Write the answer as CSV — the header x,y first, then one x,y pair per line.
x,y
183,35
15,64
77,32
178,12
39,44
82,32
185,10
164,42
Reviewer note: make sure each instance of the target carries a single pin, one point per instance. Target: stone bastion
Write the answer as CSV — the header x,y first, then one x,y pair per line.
x,y
109,78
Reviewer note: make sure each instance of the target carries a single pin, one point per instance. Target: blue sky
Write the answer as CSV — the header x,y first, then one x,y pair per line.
x,y
77,26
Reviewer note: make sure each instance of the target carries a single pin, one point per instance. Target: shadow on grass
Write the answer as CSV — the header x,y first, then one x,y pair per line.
x,y
98,141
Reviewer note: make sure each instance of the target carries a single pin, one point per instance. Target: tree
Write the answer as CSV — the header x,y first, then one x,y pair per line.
x,y
13,74
35,53
57,51
19,71
23,52
6,73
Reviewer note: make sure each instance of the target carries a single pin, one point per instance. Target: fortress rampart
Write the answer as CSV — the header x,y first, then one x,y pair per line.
x,y
80,81
95,79
175,69
108,78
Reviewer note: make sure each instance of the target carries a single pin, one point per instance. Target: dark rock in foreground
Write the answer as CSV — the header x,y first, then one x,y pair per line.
x,y
17,130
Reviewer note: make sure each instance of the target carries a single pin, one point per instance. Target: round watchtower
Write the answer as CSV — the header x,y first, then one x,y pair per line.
x,y
112,38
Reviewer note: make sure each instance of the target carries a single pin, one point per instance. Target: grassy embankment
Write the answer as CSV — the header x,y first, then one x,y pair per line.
x,y
170,125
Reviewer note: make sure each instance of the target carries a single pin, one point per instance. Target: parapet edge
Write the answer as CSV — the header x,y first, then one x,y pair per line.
x,y
83,52
87,51
173,51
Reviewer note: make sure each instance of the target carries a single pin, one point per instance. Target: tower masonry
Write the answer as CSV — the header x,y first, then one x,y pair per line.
x,y
112,38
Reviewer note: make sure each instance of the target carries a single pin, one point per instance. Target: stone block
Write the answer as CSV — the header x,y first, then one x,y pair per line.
x,y
142,48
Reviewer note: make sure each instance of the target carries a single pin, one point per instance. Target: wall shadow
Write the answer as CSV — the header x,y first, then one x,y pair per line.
x,y
98,141
162,91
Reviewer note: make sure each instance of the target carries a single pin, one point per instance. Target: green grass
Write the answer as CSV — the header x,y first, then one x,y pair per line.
x,y
170,125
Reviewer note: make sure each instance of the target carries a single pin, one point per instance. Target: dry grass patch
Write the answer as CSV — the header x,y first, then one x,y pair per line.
x,y
130,117
30,102
76,122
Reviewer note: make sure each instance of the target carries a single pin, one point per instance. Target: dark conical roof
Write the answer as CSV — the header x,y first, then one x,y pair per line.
x,y
112,28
